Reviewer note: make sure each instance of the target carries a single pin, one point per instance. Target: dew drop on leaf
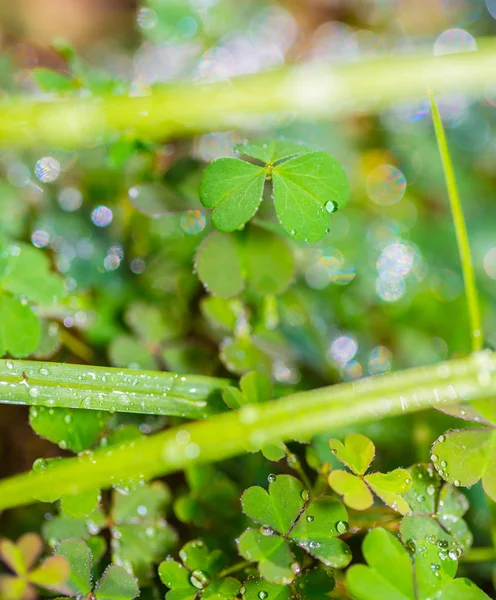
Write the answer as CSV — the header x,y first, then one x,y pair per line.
x,y
342,527
262,594
331,206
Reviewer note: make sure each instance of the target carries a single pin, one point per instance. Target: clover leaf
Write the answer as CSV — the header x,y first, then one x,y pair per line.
x,y
307,187
429,497
198,576
357,453
255,388
392,575
311,584
20,557
259,258
463,457
288,516
115,584
140,535
25,279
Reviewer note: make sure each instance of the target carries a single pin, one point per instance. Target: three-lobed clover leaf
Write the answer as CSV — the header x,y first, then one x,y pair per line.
x,y
257,259
140,534
20,557
311,584
254,388
115,584
357,453
25,278
464,457
198,575
287,516
307,185
391,573
429,497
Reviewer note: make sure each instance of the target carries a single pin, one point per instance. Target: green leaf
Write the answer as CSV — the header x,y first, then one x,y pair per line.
x,y
72,429
389,575
233,188
269,262
125,351
222,589
389,486
429,497
307,189
116,584
354,490
218,265
78,555
270,151
274,452
26,272
52,573
279,507
255,589
140,534
175,576
272,554
149,324
285,510
356,453
224,262
461,589
220,312
241,354
49,80
255,388
316,530
82,504
314,584
20,328
467,456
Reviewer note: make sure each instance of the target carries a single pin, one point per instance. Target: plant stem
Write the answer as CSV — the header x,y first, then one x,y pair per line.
x,y
309,91
295,464
234,568
460,230
231,433
105,388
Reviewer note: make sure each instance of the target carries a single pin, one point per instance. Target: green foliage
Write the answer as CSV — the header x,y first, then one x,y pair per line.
x,y
391,574
198,576
261,259
115,583
307,186
288,516
24,277
464,457
357,453
254,388
21,557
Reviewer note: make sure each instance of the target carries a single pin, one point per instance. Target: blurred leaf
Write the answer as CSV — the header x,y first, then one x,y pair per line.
x,y
72,429
257,588
49,80
125,351
82,504
116,584
219,267
270,151
20,328
314,584
241,354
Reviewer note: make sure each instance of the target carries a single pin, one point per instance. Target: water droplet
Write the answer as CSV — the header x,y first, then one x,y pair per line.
x,y
455,553
198,579
314,545
266,530
305,495
293,232
34,392
271,478
441,439
342,527
331,206
431,490
262,594
443,544
444,464
43,371
456,483
9,365
434,457
310,518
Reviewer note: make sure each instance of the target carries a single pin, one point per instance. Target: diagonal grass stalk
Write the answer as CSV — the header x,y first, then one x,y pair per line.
x,y
460,230
229,434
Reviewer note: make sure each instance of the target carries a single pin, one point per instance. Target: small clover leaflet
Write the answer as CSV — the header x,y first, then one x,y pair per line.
x,y
463,457
256,259
25,278
140,535
115,584
311,584
357,453
429,497
20,557
288,516
255,388
198,576
307,186
391,574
